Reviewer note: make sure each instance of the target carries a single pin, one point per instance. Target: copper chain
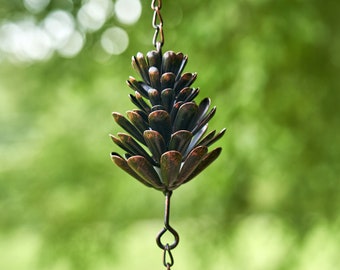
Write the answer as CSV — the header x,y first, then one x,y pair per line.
x,y
157,23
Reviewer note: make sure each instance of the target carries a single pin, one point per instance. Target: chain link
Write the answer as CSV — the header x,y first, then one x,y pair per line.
x,y
167,253
157,24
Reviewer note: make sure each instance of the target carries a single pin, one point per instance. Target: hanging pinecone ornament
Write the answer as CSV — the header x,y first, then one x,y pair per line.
x,y
168,122
166,140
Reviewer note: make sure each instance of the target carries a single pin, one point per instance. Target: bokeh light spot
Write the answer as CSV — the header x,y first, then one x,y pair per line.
x,y
25,41
36,6
60,26
73,45
93,14
115,40
128,11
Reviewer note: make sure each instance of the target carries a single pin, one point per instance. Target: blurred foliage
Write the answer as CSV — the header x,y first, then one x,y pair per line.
x,y
270,202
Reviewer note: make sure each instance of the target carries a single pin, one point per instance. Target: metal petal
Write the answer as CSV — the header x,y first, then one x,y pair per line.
x,y
167,97
194,93
143,114
138,121
190,164
140,103
181,67
185,115
119,143
155,143
203,108
180,140
210,138
185,80
171,62
137,86
198,135
134,148
183,94
187,94
154,78
145,170
170,166
205,162
160,121
125,124
204,121
167,80
174,110
121,163
154,59
154,97
139,64
158,108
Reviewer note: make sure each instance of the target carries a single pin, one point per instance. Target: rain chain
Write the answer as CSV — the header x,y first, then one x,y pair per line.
x,y
166,141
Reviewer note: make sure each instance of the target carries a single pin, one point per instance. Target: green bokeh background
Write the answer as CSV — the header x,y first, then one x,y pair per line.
x,y
270,202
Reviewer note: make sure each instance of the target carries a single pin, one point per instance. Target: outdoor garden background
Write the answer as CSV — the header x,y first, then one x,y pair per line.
x,y
270,202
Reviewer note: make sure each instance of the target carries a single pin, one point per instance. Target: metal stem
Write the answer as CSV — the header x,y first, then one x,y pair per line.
x,y
167,247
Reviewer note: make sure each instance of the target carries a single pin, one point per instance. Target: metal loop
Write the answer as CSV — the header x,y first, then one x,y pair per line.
x,y
167,251
158,31
159,4
157,14
162,232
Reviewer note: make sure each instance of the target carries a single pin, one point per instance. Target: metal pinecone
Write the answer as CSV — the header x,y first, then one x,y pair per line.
x,y
166,145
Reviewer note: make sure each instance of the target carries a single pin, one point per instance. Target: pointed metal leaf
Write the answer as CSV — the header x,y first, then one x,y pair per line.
x,y
122,163
206,161
145,170
160,121
190,163
125,124
155,143
170,166
185,115
180,140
